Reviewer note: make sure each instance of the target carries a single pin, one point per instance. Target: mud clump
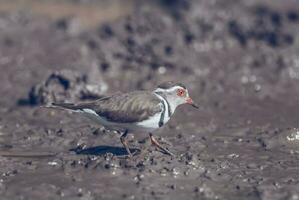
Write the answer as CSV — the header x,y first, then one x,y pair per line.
x,y
65,86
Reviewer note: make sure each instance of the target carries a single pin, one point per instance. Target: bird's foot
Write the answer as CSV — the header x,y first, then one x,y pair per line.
x,y
125,144
160,147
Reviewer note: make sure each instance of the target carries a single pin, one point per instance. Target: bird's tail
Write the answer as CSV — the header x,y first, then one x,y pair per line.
x,y
68,106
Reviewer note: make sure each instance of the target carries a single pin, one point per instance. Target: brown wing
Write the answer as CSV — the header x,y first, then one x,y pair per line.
x,y
124,108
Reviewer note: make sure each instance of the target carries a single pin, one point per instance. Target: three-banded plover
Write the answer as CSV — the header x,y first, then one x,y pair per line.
x,y
135,111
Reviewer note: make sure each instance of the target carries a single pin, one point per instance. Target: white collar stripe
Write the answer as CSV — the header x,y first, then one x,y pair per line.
x,y
166,106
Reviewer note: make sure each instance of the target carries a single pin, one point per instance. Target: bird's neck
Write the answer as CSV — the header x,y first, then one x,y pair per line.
x,y
171,105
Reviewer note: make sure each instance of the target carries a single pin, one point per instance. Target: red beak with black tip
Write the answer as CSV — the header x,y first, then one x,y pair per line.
x,y
190,101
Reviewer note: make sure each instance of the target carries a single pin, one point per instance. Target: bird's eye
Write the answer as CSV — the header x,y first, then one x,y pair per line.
x,y
181,92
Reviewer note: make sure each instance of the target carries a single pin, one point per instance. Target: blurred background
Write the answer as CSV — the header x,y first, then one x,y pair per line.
x,y
239,59
88,13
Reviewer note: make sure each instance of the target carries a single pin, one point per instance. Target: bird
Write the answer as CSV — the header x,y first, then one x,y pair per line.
x,y
136,111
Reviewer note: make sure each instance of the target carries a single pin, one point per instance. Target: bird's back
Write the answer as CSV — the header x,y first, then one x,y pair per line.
x,y
130,107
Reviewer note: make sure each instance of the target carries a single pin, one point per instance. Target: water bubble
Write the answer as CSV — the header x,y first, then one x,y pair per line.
x,y
244,80
292,73
176,172
163,172
53,163
293,136
162,70
257,87
233,155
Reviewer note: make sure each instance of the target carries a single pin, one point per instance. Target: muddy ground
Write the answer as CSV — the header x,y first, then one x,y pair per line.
x,y
239,60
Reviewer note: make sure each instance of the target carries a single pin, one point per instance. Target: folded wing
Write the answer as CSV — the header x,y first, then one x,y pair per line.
x,y
122,108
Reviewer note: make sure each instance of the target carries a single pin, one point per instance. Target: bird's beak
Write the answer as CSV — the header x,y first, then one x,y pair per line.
x,y
190,101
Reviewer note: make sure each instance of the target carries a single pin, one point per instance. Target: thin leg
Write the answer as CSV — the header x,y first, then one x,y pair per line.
x,y
156,143
124,142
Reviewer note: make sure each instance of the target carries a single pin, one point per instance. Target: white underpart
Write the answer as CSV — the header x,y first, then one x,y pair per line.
x,y
91,114
147,125
151,123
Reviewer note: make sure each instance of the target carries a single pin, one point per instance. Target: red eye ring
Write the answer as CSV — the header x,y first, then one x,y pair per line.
x,y
180,92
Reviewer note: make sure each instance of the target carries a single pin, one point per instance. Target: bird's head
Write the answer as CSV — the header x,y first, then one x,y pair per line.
x,y
176,93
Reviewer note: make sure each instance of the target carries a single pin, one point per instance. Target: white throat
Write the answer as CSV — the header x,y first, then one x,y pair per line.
x,y
171,103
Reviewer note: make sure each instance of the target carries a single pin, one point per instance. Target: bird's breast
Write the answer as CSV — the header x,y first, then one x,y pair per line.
x,y
150,123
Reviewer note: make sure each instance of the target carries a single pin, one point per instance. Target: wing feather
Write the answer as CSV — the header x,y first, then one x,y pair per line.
x,y
122,108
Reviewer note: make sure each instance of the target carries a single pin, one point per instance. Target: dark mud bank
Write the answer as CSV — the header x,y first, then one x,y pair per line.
x,y
240,61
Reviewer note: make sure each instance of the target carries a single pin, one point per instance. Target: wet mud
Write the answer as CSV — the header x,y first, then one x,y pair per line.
x,y
239,60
